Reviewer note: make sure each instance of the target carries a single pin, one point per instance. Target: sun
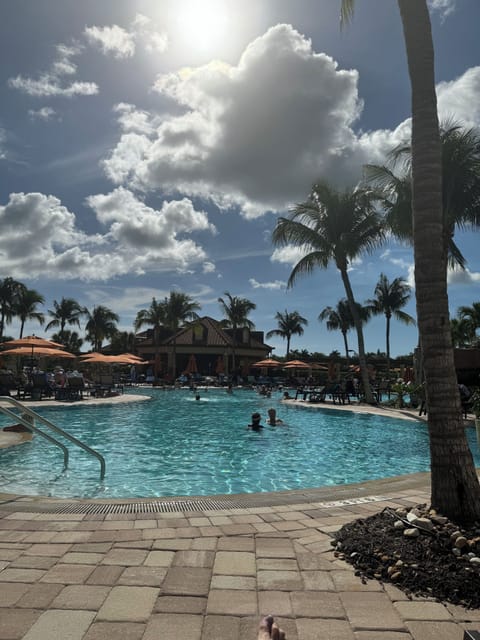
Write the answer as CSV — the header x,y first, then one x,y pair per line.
x,y
202,25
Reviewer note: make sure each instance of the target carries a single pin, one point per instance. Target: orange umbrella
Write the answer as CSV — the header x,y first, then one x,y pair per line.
x,y
101,358
192,365
33,342
267,363
296,364
39,351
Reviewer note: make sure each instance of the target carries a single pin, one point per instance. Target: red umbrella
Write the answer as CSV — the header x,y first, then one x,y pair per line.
x,y
33,342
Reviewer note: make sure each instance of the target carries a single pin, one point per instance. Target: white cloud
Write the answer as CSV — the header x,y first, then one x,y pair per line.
x,y
45,113
114,40
257,135
459,98
121,43
288,255
50,83
208,267
460,277
273,286
40,237
444,7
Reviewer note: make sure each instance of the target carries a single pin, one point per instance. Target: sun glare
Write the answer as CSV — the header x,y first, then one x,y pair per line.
x,y
202,24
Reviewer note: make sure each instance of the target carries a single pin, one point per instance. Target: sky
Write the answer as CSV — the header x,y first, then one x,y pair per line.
x,y
150,145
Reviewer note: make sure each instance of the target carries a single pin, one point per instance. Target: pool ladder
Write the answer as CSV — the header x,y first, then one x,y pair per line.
x,y
27,418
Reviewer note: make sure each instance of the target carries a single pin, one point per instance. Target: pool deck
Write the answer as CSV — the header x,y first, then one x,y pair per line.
x,y
143,570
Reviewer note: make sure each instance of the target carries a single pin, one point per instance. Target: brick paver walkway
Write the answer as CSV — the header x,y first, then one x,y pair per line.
x,y
205,575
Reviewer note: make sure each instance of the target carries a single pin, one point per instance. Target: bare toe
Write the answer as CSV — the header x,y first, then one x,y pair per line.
x,y
277,634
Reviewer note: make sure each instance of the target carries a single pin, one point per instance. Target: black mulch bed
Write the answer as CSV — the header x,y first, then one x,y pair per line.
x,y
440,560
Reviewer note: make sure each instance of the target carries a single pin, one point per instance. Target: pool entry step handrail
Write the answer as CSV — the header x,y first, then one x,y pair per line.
x,y
26,411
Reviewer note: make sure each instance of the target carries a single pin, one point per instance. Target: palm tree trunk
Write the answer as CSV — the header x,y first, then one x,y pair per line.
x,y
345,342
455,488
288,347
362,361
22,325
387,339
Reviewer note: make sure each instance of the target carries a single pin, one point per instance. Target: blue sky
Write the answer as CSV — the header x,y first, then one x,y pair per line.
x,y
147,146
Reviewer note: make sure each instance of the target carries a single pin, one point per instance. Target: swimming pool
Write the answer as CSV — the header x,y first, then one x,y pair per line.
x,y
174,445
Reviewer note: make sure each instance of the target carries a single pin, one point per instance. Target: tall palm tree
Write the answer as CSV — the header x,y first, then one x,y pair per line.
x,y
471,318
66,312
101,323
154,316
336,227
9,292
236,311
390,298
289,324
339,318
26,307
455,489
461,186
179,309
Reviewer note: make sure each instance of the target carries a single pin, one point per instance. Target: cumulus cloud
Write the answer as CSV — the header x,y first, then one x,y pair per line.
x,y
45,113
114,40
459,98
253,135
463,277
273,286
288,255
257,135
121,43
40,237
52,82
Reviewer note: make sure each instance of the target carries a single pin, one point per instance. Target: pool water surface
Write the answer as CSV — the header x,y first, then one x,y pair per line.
x,y
174,445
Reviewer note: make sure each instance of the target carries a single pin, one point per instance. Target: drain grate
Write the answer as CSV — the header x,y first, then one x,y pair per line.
x,y
171,506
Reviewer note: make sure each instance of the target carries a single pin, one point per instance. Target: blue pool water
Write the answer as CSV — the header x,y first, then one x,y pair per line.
x,y
174,445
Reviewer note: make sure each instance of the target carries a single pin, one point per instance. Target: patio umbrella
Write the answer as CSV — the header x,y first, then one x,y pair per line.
x,y
191,365
33,343
41,352
101,358
299,364
267,363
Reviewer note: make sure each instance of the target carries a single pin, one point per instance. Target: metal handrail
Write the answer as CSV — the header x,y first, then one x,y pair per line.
x,y
65,434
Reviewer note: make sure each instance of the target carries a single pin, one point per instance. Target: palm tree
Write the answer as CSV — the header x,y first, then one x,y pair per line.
x,y
339,318
70,340
461,333
471,318
236,310
289,324
154,316
9,292
461,186
101,324
336,227
455,489
26,307
179,309
66,312
389,299
123,342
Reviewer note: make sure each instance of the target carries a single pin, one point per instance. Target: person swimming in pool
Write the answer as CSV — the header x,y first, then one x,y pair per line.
x,y
255,426
272,418
268,630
